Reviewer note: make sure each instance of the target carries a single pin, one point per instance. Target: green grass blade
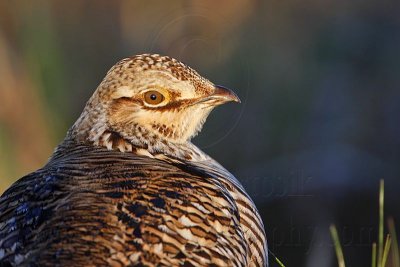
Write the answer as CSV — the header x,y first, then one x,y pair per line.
x,y
380,234
373,255
275,258
395,246
386,249
338,247
279,262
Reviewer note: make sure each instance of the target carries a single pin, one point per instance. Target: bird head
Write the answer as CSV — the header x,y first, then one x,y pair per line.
x,y
148,99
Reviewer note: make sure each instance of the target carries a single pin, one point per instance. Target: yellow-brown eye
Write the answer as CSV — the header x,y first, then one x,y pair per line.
x,y
153,97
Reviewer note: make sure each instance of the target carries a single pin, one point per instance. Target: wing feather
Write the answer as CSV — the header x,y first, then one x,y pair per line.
x,y
95,207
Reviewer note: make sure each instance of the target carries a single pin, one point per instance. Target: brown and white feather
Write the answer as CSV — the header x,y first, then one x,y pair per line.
x,y
127,187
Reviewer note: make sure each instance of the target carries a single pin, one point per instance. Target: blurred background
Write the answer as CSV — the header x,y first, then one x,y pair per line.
x,y
320,87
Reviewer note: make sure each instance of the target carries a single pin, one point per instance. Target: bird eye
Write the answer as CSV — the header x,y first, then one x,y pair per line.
x,y
153,97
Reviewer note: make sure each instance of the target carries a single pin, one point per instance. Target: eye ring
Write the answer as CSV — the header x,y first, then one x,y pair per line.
x,y
153,97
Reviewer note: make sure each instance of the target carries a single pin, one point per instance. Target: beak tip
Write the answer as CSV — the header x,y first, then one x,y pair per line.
x,y
226,93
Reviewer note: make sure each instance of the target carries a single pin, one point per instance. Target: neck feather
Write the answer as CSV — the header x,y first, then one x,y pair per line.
x,y
141,142
93,128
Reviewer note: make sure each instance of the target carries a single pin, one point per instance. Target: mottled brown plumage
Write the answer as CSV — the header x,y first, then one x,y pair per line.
x,y
127,187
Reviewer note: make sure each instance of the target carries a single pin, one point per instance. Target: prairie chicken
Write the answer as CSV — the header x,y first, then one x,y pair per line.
x,y
126,187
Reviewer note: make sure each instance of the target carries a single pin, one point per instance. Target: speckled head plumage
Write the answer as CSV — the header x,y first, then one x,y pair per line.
x,y
148,101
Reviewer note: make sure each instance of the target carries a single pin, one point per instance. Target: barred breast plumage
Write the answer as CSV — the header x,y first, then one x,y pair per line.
x,y
127,187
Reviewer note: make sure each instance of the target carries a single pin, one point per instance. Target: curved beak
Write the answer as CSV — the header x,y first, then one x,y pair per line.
x,y
223,95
